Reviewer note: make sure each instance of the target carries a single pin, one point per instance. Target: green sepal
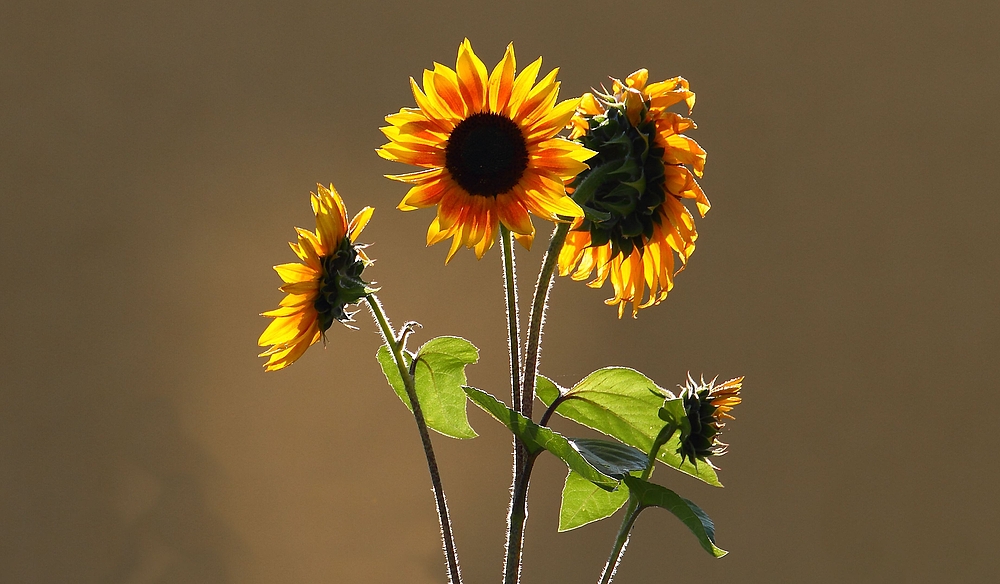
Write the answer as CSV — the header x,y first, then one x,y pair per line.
x,y
438,376
537,438
625,404
652,495
673,413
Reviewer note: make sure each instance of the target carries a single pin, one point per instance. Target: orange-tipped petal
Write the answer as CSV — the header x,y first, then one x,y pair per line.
x,y
502,81
472,79
522,85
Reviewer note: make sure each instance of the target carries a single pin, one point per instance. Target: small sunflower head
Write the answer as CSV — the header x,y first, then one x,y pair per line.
x,y
318,290
707,405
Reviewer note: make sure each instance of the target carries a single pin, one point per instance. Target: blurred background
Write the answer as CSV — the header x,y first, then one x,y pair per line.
x,y
154,157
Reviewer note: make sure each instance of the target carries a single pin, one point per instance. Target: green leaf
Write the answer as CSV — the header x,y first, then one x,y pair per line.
x,y
625,404
584,502
652,495
611,458
546,390
438,378
537,438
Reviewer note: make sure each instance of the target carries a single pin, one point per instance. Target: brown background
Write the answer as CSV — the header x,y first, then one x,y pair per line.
x,y
155,156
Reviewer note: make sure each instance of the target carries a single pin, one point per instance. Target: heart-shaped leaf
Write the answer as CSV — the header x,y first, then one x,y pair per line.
x,y
438,377
584,502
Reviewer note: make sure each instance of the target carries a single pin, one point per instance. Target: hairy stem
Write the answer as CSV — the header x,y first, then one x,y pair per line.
x,y
537,318
518,513
451,556
515,520
513,326
631,513
621,541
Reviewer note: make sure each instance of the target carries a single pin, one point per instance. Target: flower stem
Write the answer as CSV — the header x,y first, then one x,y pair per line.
x,y
516,512
516,518
523,463
621,541
631,513
513,326
537,318
451,556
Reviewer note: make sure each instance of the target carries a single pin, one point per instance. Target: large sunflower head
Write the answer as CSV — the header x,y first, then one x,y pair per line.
x,y
319,289
489,148
634,220
707,405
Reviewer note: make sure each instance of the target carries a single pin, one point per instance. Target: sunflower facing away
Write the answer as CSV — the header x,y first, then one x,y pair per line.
x,y
489,148
319,288
645,166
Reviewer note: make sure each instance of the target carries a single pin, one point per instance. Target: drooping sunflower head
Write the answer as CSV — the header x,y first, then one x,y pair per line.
x,y
318,290
634,220
707,406
489,148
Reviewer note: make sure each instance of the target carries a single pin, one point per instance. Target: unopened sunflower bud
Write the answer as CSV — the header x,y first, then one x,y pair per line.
x,y
707,405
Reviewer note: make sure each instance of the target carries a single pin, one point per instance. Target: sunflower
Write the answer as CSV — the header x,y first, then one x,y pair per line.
x,y
645,166
489,150
707,405
319,288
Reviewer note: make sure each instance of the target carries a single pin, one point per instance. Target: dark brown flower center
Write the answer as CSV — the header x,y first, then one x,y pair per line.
x,y
486,154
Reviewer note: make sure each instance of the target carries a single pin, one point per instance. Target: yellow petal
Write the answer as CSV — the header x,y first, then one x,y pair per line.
x,y
514,215
472,80
300,287
358,223
288,355
290,273
282,311
423,195
502,81
589,105
400,153
563,166
417,177
541,98
431,111
435,234
444,83
296,300
451,207
522,85
552,122
684,150
456,242
638,79
283,329
524,240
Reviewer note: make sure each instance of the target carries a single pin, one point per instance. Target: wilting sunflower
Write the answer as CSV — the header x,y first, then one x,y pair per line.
x,y
707,405
490,150
645,166
319,288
